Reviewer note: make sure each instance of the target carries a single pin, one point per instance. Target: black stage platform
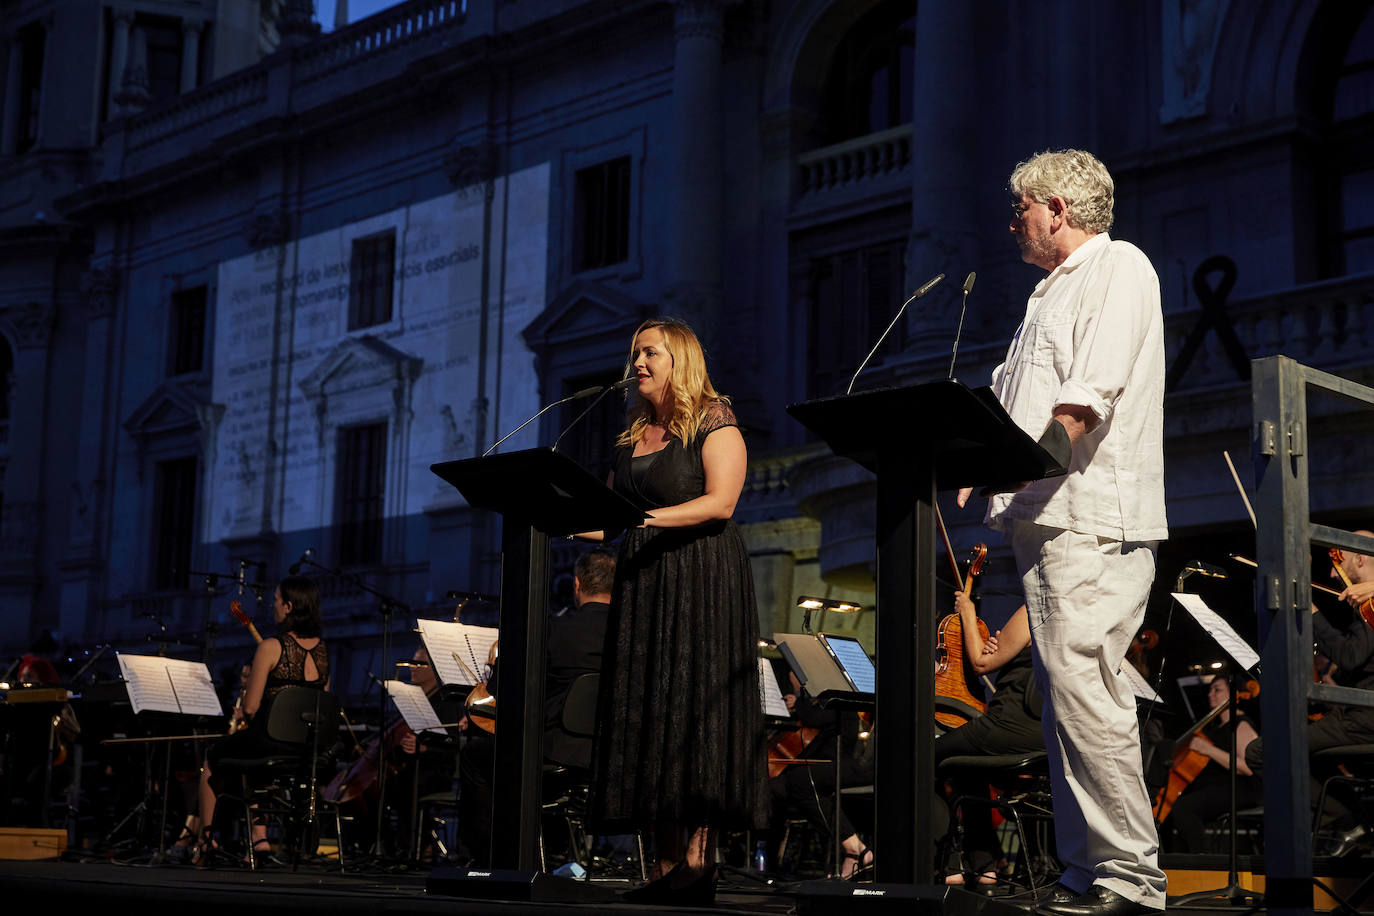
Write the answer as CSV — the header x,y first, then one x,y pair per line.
x,y
105,886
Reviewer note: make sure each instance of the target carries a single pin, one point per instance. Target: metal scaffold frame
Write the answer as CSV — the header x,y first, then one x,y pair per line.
x,y
1283,588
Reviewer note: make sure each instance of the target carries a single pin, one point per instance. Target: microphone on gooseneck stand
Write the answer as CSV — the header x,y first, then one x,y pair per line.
x,y
968,287
584,393
295,568
618,386
929,285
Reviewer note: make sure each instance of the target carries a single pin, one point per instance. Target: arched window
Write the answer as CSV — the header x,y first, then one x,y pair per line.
x,y
869,86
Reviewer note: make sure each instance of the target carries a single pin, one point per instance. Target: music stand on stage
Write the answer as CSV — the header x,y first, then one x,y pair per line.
x,y
539,494
949,436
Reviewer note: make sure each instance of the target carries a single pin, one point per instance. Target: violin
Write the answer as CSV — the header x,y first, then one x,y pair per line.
x,y
237,612
953,679
1337,562
1188,763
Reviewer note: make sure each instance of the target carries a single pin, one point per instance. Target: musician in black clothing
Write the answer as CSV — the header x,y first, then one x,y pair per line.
x,y
1351,648
1010,725
575,643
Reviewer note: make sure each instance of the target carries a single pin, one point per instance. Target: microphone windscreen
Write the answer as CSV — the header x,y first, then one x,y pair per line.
x,y
968,282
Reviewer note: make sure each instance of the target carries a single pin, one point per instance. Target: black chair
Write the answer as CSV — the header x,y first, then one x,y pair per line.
x,y
567,789
1351,765
1024,779
301,723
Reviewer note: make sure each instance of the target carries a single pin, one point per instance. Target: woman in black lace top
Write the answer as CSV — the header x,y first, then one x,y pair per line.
x,y
297,657
680,728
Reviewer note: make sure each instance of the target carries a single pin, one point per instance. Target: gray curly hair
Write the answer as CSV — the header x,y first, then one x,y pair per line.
x,y
1077,176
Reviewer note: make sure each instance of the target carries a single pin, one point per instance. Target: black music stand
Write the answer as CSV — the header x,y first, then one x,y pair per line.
x,y
539,494
945,436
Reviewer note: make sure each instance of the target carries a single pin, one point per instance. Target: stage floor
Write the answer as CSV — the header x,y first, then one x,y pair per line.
x,y
191,891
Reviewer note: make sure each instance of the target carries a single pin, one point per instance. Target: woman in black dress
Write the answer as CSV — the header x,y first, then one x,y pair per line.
x,y
295,658
680,725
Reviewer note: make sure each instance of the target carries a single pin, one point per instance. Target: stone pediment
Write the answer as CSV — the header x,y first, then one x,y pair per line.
x,y
359,363
170,410
581,311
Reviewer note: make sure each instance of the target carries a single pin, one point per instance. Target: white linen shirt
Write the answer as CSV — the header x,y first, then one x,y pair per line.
x,y
1093,336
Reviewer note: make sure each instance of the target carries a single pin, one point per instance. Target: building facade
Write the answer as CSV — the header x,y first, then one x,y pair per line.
x,y
244,309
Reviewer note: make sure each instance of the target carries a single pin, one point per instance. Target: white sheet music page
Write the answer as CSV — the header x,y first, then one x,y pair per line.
x,y
1221,631
770,695
444,639
194,689
414,706
1139,686
168,685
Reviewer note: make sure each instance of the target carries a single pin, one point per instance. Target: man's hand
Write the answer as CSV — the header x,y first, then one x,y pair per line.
x,y
964,494
1358,593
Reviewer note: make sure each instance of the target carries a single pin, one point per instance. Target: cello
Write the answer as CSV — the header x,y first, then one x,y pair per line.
x,y
1188,763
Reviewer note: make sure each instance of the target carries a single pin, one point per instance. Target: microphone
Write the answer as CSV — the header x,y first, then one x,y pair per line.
x,y
295,568
930,284
968,287
584,393
618,386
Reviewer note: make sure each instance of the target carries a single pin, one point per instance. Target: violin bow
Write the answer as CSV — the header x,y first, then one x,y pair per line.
x,y
949,550
1243,498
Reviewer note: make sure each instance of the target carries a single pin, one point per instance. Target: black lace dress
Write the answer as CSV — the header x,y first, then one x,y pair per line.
x,y
680,724
289,671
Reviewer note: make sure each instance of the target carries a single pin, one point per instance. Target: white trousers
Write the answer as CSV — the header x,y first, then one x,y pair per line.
x,y
1086,598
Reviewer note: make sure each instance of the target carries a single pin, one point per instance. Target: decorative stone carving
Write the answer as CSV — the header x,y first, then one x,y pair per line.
x,y
33,324
1190,32
268,228
100,291
468,166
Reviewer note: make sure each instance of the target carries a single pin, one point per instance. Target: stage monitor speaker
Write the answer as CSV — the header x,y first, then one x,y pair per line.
x,y
514,884
827,897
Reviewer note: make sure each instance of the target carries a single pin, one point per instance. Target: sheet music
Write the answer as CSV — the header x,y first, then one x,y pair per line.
x,y
414,706
1139,686
770,695
169,685
1221,631
443,639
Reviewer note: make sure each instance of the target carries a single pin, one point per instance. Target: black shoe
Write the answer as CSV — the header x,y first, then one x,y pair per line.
x,y
1095,901
658,890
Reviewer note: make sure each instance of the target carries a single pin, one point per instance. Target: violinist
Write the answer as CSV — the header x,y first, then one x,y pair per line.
x,y
1011,725
575,644
297,656
1208,796
1350,646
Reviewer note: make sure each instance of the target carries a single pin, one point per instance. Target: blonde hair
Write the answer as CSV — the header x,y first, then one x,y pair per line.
x,y
1078,177
690,391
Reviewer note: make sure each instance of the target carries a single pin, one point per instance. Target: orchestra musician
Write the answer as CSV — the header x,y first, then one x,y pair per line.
x,y
1208,795
574,646
296,657
1085,373
1010,725
680,735
1351,649
808,787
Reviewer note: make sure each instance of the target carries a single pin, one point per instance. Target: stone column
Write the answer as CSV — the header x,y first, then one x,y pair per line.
x,y
21,526
133,87
46,83
119,58
190,53
696,192
9,136
944,229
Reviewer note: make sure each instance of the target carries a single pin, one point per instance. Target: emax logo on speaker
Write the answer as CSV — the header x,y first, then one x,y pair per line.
x,y
479,874
865,892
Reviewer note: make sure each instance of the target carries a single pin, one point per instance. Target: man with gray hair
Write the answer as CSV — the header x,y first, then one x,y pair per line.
x,y
1085,373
